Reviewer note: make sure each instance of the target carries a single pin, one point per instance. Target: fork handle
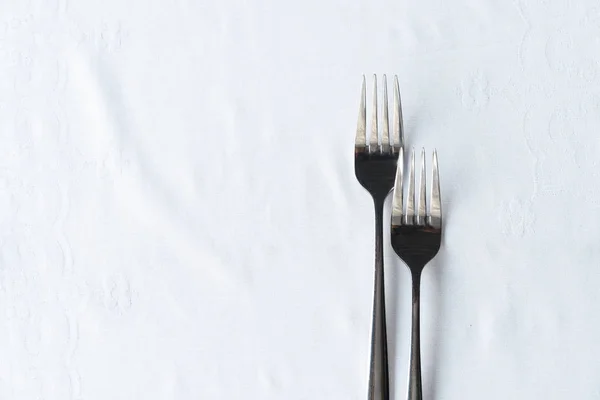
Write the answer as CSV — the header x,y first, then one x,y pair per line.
x,y
415,390
379,388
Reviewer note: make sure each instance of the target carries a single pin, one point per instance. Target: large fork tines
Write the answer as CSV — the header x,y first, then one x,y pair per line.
x,y
423,217
361,130
385,137
387,144
374,141
398,126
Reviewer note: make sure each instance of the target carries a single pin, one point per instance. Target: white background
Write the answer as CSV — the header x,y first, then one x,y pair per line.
x,y
179,216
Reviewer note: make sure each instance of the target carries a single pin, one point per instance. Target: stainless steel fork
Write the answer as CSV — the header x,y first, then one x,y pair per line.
x,y
375,165
416,238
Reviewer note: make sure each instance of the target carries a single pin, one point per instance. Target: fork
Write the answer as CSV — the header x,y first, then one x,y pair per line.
x,y
416,238
375,166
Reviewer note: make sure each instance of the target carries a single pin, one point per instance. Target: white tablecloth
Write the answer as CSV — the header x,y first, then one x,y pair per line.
x,y
179,216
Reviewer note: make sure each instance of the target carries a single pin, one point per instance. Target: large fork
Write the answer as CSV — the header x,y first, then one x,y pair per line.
x,y
416,238
375,166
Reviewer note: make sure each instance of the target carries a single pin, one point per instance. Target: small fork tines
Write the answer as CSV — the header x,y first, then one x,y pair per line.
x,y
422,218
387,145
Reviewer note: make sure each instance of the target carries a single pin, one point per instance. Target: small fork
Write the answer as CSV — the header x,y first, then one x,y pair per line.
x,y
375,165
416,238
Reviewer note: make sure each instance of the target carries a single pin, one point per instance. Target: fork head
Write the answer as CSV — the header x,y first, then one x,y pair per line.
x,y
375,161
416,235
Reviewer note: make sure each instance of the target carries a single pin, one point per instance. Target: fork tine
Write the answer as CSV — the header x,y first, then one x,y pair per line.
x,y
374,143
421,214
398,125
409,218
397,198
435,214
361,130
385,139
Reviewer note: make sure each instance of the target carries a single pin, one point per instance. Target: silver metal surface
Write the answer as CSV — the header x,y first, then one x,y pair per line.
x,y
398,196
422,204
361,130
374,141
385,137
397,124
435,214
409,216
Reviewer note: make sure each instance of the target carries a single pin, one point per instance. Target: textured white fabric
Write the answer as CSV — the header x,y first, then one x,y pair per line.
x,y
179,216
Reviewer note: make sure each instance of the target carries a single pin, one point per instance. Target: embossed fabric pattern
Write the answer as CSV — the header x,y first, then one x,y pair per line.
x,y
179,215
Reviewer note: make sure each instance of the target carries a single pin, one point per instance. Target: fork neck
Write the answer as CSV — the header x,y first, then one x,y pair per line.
x,y
379,201
416,278
378,231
